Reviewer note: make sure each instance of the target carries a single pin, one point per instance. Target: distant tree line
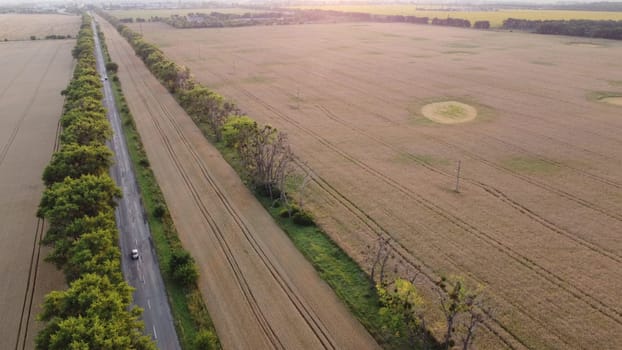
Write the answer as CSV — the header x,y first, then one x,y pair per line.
x,y
582,28
78,203
452,22
590,6
290,16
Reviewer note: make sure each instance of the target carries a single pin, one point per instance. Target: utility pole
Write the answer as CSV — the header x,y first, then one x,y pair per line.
x,y
458,177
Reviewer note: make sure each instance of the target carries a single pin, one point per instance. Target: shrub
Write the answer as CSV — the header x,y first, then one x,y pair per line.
x,y
144,162
205,340
112,67
159,210
268,191
186,275
32,37
182,268
303,218
289,212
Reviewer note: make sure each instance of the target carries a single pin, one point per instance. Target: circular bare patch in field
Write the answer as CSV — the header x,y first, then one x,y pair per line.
x,y
613,100
449,112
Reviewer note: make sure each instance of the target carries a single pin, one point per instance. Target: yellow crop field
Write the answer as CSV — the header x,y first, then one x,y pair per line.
x,y
381,114
495,17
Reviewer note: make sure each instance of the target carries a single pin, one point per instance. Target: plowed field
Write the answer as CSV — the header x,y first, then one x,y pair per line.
x,y
538,216
33,75
260,291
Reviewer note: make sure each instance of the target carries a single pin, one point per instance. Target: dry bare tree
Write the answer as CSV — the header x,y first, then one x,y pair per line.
x,y
378,255
268,156
463,310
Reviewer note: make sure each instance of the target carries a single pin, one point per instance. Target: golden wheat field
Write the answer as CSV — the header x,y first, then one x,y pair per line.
x,y
536,220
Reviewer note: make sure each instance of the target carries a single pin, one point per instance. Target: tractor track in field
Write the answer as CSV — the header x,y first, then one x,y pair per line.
x,y
495,192
544,273
35,256
19,73
30,286
546,124
593,302
492,190
557,164
313,322
518,112
5,149
423,86
408,256
463,81
528,179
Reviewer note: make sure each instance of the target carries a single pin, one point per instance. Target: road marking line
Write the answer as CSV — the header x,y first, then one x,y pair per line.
x,y
155,335
149,304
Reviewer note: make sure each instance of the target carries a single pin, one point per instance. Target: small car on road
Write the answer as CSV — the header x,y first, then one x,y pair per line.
x,y
134,254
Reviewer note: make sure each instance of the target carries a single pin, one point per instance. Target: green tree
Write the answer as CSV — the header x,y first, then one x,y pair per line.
x,y
86,104
62,238
75,160
71,116
206,106
93,313
237,129
85,131
183,268
205,340
112,67
71,199
95,252
402,311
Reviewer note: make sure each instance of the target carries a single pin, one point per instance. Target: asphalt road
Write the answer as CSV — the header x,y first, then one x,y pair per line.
x,y
144,273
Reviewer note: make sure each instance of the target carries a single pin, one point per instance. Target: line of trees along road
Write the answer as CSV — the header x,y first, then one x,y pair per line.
x,y
79,201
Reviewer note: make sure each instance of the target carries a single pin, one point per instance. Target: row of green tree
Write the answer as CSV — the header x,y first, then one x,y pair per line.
x,y
298,16
78,203
583,28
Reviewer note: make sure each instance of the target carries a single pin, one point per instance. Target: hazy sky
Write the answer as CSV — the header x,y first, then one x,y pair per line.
x,y
452,2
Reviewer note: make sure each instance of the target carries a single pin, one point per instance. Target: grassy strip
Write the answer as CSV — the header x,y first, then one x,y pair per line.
x,y
192,320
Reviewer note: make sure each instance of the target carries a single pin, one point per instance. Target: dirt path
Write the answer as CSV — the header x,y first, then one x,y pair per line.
x,y
260,290
29,97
